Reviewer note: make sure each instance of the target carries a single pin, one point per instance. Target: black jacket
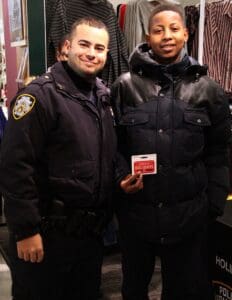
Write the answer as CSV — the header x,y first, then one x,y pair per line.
x,y
63,149
180,114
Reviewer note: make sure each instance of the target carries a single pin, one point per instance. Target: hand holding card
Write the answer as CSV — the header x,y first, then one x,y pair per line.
x,y
132,183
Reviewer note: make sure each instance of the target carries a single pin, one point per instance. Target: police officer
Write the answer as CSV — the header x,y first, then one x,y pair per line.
x,y
57,171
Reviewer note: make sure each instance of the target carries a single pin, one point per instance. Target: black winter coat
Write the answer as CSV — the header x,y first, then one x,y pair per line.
x,y
180,114
63,149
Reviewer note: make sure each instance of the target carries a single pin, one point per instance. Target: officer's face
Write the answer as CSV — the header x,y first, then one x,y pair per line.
x,y
167,35
87,51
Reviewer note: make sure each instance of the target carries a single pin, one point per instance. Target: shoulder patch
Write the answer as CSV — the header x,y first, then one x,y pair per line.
x,y
23,105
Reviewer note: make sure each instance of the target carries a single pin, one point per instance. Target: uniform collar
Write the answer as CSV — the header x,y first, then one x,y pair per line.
x,y
67,80
80,82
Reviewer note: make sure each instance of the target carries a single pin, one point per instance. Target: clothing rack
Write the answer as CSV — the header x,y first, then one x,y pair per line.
x,y
201,31
201,27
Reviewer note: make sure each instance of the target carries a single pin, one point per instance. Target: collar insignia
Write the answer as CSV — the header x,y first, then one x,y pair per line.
x,y
23,105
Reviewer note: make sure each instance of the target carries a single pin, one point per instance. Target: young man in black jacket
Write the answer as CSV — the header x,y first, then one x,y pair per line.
x,y
167,106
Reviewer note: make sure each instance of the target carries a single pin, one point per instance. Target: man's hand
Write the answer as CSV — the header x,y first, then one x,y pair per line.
x,y
132,183
31,249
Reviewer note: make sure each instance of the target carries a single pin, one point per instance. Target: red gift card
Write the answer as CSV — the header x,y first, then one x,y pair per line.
x,y
144,164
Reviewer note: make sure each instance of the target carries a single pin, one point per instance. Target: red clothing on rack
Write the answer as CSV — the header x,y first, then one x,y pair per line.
x,y
121,16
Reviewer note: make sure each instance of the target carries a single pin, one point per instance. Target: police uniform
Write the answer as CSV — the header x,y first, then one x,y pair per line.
x,y
59,148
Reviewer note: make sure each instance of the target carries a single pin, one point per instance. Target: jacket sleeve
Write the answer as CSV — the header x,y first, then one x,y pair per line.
x,y
21,153
122,168
217,152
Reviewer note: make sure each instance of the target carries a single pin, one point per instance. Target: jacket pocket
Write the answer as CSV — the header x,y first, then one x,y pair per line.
x,y
82,169
134,119
77,178
196,122
134,127
197,117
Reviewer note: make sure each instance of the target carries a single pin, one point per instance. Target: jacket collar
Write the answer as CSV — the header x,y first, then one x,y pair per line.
x,y
64,82
143,63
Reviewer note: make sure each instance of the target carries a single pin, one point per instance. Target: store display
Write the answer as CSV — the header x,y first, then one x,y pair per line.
x,y
221,255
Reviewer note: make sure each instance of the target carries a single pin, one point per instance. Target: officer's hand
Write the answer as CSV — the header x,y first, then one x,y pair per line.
x,y
132,183
31,249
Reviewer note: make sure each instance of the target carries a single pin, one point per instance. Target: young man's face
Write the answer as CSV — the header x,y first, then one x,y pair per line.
x,y
87,51
167,36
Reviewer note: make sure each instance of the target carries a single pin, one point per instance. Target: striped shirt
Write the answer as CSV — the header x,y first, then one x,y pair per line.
x,y
136,21
217,52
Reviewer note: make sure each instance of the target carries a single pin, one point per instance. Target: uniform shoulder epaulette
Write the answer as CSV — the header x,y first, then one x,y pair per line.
x,y
43,79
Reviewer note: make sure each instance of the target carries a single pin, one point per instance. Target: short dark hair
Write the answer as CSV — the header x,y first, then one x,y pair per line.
x,y
164,7
90,21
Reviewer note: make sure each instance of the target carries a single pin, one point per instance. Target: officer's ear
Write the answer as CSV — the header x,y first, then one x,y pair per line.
x,y
67,44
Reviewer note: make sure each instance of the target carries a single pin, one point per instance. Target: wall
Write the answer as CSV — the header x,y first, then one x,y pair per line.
x,y
11,60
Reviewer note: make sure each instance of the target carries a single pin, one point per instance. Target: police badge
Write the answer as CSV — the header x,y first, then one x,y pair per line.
x,y
23,105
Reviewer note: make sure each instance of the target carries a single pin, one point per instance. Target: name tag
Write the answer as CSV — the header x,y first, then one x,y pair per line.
x,y
145,164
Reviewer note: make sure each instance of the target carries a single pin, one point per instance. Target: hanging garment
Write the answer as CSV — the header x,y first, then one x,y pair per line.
x,y
121,15
136,21
217,52
192,18
50,6
68,12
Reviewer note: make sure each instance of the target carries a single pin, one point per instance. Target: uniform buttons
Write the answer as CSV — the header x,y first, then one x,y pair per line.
x,y
199,121
160,130
162,240
47,77
160,204
97,122
161,95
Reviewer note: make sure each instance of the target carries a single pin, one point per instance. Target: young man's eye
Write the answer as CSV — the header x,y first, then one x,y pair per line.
x,y
156,31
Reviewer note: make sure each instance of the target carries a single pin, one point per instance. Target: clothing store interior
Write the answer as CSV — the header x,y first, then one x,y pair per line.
x,y
29,35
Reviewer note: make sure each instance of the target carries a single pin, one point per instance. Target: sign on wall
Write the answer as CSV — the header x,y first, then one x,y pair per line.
x,y
17,16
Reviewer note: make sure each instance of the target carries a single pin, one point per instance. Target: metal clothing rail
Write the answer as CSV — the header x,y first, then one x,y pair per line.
x,y
201,31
